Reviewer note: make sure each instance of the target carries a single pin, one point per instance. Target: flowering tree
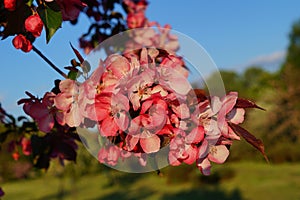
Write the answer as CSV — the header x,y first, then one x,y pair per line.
x,y
138,97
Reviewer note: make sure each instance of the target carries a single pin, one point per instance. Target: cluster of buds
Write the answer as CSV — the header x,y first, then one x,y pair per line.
x,y
29,23
25,145
34,26
30,28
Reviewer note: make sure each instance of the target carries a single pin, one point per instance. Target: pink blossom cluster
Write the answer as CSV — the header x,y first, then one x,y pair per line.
x,y
142,102
136,13
25,145
34,25
142,34
151,106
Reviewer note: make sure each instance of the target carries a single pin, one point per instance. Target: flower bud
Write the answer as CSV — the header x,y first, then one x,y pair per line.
x,y
16,156
26,146
10,5
136,20
34,25
21,42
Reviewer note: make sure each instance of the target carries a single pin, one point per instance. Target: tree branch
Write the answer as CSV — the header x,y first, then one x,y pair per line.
x,y
49,62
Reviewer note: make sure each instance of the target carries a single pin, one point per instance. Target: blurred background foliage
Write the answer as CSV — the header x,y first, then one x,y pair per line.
x,y
279,93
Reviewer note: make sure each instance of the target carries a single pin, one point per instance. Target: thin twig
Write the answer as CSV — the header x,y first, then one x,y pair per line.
x,y
49,62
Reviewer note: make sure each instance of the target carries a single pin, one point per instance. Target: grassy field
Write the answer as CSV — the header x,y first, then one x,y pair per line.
x,y
230,181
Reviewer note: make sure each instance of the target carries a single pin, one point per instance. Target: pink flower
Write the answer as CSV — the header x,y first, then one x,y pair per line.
x,y
173,80
136,20
34,25
141,5
183,146
16,156
144,128
26,146
117,65
10,5
67,101
137,133
21,42
227,113
182,111
142,158
109,155
177,150
70,9
139,87
154,113
195,136
141,38
111,110
43,112
175,63
215,153
87,92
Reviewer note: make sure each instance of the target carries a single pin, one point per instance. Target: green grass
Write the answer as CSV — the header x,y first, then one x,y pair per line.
x,y
230,181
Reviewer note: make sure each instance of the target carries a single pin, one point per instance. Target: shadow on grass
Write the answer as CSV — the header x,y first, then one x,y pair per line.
x,y
204,193
125,195
121,178
60,195
196,193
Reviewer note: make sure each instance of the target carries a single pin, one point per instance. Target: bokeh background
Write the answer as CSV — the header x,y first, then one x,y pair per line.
x,y
256,46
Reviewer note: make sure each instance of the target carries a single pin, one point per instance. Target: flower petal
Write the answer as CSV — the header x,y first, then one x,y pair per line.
x,y
150,144
204,167
191,151
122,120
236,115
218,154
67,86
131,142
46,123
63,101
195,136
108,127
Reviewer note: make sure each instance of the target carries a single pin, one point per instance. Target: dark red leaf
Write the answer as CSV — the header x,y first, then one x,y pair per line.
x,y
198,93
42,161
163,53
80,58
245,103
251,139
66,151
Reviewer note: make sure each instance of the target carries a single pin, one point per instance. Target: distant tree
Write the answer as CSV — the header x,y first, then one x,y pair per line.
x,y
285,119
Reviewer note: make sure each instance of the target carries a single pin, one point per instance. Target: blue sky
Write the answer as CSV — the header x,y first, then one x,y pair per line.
x,y
235,33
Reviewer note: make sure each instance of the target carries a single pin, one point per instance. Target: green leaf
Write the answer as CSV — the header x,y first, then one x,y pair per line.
x,y
29,3
72,75
51,17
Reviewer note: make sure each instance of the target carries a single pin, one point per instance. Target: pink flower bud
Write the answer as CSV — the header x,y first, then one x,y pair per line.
x,y
136,20
26,146
10,4
16,156
21,42
34,25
